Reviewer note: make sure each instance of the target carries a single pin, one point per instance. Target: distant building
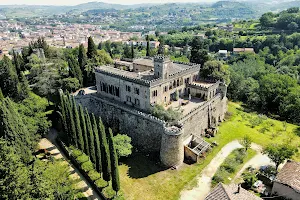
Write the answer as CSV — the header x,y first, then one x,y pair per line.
x,y
228,27
287,182
230,192
223,53
243,50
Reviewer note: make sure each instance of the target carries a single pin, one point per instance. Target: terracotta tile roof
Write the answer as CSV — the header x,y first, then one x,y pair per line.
x,y
229,192
290,175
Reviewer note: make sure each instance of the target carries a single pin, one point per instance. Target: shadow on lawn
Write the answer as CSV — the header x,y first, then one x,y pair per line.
x,y
297,131
143,165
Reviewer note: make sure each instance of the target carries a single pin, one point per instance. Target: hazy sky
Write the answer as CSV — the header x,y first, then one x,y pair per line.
x,y
75,2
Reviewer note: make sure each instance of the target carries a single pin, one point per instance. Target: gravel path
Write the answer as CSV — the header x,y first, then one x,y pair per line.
x,y
204,180
83,185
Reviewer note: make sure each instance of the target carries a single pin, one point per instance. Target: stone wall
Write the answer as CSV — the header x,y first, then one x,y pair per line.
x,y
209,114
145,130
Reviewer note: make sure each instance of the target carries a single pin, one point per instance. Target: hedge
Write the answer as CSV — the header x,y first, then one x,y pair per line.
x,y
87,166
100,183
94,175
82,159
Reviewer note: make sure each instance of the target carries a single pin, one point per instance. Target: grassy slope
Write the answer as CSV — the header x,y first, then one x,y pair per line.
x,y
142,178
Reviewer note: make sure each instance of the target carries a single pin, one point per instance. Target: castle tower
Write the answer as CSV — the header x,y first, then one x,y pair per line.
x,y
172,149
161,66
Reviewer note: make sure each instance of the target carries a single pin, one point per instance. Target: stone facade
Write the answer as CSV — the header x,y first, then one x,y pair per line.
x,y
124,99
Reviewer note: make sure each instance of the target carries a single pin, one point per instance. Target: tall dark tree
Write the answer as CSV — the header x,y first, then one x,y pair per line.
x,y
97,145
91,137
126,51
199,52
92,50
71,122
84,129
148,46
1,95
63,113
105,156
78,126
17,62
23,87
74,69
8,78
114,163
132,51
100,46
161,48
82,58
15,132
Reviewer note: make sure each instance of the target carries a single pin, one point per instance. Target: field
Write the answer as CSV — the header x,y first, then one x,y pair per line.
x,y
141,174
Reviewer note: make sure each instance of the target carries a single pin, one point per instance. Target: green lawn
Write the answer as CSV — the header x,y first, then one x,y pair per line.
x,y
143,178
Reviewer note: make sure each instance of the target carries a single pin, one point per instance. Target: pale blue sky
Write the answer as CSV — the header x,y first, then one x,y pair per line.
x,y
75,2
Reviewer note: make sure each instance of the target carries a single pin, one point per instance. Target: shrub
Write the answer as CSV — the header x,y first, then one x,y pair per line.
x,y
167,115
123,145
108,192
87,166
80,196
249,179
100,183
76,153
94,175
82,159
119,197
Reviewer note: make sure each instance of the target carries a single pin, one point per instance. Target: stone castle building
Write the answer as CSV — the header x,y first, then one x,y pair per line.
x,y
127,91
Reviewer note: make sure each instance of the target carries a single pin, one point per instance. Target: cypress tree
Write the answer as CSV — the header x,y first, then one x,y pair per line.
x,y
63,113
106,168
126,51
17,63
82,58
132,51
97,145
100,46
78,126
84,130
8,78
148,46
90,137
92,50
114,163
1,95
74,68
72,128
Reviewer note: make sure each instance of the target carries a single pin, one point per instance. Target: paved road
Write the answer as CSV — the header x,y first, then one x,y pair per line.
x,y
204,180
83,185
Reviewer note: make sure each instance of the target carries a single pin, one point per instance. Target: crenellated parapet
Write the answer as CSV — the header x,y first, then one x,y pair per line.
x,y
161,58
120,76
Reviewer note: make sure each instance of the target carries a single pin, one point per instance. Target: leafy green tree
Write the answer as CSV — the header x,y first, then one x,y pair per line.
x,y
97,145
105,156
267,19
123,145
69,84
273,89
92,50
290,106
82,57
246,142
279,153
114,163
84,129
91,137
215,70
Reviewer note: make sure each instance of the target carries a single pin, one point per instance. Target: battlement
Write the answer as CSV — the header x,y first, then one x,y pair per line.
x,y
161,58
124,77
173,130
185,63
